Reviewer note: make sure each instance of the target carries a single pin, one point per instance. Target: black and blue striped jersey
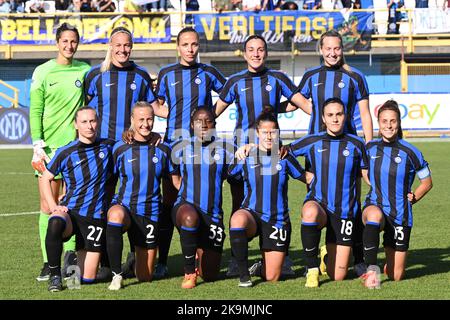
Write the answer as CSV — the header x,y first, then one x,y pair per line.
x,y
203,168
140,167
251,92
85,169
114,93
184,89
392,169
336,163
322,83
266,184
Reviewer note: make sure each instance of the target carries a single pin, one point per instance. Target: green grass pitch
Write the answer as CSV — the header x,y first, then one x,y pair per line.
x,y
427,274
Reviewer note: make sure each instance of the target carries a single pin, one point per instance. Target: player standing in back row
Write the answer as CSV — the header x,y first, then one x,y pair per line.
x,y
336,79
184,86
55,95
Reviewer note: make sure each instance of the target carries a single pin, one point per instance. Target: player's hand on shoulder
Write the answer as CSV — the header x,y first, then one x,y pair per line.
x,y
244,151
283,152
155,139
128,137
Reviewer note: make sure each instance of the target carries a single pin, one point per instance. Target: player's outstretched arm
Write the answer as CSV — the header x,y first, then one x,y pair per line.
x,y
366,119
299,101
220,107
365,176
47,177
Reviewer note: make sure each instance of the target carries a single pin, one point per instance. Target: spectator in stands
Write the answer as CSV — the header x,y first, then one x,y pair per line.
x,y
421,3
87,6
251,5
394,16
160,5
4,7
271,5
236,5
75,6
221,5
36,6
17,6
312,4
62,5
353,4
106,6
289,5
191,5
130,6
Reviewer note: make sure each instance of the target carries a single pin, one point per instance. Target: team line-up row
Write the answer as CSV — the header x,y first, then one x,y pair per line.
x,y
335,161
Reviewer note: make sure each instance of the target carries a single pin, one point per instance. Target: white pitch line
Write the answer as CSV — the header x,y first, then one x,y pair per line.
x,y
17,173
18,214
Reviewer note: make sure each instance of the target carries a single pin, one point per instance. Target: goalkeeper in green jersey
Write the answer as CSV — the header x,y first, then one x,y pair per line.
x,y
56,93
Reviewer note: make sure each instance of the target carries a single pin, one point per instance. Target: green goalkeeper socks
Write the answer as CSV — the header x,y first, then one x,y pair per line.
x,y
43,223
70,244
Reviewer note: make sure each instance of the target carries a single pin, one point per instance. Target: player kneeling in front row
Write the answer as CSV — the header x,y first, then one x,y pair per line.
x,y
264,211
388,206
85,165
203,164
140,166
337,159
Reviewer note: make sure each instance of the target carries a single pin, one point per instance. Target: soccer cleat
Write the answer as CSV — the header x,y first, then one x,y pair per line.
x,y
116,282
245,284
70,259
129,266
312,278
360,269
55,284
323,265
189,281
372,277
45,273
256,269
286,269
161,271
104,274
245,281
233,270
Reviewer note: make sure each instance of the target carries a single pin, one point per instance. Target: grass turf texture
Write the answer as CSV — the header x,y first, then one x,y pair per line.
x,y
427,274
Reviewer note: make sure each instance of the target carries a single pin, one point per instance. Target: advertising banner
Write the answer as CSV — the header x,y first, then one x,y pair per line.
x,y
431,20
419,112
283,30
93,28
14,126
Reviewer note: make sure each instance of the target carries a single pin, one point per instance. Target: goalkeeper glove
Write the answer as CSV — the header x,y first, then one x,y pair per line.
x,y
39,156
